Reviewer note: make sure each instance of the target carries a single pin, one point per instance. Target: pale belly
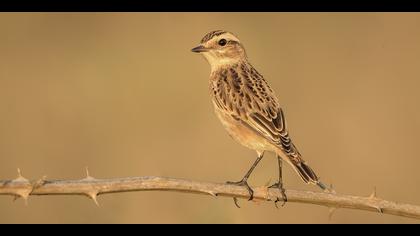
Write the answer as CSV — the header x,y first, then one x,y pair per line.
x,y
243,134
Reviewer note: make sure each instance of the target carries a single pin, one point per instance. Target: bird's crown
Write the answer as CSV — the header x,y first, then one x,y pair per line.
x,y
208,37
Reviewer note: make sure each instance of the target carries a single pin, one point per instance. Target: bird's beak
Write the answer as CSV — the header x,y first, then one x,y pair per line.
x,y
199,49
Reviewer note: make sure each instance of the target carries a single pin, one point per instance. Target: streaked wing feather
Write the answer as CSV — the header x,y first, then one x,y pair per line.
x,y
242,92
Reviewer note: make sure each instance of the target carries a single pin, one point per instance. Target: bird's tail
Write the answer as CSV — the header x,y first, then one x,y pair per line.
x,y
305,172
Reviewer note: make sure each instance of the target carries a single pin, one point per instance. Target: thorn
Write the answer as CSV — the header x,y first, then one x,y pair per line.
x,y
20,177
39,183
88,177
23,193
93,196
95,200
331,190
212,193
87,173
376,207
25,199
331,212
373,195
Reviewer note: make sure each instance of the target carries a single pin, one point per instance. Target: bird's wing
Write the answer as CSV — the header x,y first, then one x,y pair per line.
x,y
254,103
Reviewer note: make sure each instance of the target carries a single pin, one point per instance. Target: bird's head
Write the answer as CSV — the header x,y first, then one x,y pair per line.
x,y
221,48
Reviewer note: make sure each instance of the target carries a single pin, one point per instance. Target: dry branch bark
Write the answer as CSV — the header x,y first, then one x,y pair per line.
x,y
91,187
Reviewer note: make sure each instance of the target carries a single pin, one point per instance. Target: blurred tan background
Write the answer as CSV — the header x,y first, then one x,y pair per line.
x,y
122,94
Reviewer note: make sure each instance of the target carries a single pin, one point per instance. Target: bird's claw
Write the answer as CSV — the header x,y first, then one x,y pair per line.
x,y
279,186
243,183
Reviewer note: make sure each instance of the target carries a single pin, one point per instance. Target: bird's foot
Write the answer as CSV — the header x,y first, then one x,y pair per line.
x,y
279,186
243,182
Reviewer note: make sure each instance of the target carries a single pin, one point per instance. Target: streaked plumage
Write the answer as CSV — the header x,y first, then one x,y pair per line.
x,y
246,105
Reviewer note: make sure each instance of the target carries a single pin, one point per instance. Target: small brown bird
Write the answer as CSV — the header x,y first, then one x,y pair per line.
x,y
248,107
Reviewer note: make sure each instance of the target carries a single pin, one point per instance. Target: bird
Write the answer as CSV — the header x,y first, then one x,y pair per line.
x,y
249,109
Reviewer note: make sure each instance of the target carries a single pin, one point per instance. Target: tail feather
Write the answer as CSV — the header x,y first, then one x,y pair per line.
x,y
322,186
307,174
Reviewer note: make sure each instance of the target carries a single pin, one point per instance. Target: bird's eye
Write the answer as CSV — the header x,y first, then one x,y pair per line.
x,y
222,42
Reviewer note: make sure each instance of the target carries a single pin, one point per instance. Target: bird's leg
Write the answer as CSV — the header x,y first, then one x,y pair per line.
x,y
279,184
244,181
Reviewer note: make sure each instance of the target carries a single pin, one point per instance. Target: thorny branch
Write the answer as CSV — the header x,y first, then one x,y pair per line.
x,y
92,187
